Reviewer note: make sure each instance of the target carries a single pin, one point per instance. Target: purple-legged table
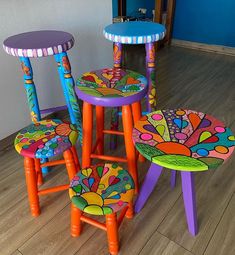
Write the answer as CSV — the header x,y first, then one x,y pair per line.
x,y
45,43
136,32
185,141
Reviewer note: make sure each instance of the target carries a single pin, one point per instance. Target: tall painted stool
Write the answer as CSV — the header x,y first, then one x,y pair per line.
x,y
183,140
105,189
110,87
38,44
136,32
45,139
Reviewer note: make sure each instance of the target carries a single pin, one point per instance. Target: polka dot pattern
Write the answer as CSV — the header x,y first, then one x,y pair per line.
x,y
183,140
45,139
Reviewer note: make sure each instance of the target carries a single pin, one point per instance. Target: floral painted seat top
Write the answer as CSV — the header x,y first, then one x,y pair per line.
x,y
111,84
45,139
183,140
101,189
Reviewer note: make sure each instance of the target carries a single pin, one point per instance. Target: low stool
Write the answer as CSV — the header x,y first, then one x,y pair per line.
x,y
104,189
46,139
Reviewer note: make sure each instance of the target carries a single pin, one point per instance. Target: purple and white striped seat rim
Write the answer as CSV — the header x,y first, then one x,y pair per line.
x,y
38,43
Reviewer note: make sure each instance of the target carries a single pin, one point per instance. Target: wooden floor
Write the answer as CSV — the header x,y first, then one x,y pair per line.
x,y
186,78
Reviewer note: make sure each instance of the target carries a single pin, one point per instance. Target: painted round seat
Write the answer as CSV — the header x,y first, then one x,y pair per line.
x,y
183,140
46,138
136,32
38,43
111,87
102,189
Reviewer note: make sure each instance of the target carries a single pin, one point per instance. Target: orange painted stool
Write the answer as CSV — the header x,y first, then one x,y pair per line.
x,y
46,139
110,87
103,189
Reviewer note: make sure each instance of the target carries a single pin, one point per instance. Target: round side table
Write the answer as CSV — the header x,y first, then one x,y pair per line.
x,y
182,140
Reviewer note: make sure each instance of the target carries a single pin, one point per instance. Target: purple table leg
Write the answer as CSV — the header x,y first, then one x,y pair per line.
x,y
173,178
150,182
189,201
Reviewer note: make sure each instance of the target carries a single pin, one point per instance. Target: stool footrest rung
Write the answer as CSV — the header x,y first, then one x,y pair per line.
x,y
54,189
94,222
53,109
109,158
113,132
53,163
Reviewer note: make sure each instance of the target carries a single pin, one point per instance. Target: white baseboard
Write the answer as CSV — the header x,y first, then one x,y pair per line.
x,y
205,47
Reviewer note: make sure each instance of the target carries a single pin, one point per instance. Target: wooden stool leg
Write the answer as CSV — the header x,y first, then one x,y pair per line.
x,y
130,149
70,164
87,134
31,182
38,171
117,59
151,76
99,129
189,201
75,157
130,211
112,233
76,225
136,110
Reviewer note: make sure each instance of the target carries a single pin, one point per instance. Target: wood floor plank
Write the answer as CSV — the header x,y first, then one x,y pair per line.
x,y
222,242
16,223
16,253
159,244
54,237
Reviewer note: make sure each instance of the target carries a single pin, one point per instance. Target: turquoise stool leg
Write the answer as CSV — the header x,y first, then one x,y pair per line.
x,y
117,59
67,83
32,96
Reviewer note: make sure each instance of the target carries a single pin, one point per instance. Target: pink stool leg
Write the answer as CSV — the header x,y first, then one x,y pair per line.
x,y
189,201
150,182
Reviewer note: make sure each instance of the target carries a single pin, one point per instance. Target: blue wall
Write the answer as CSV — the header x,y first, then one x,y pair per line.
x,y
133,7
205,21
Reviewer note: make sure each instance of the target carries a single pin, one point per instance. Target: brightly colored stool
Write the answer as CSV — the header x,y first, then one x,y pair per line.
x,y
110,87
183,140
46,139
39,44
135,32
104,189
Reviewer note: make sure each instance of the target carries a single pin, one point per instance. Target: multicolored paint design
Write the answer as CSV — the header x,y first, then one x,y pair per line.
x,y
30,89
67,82
101,189
183,140
117,55
54,39
111,82
151,76
45,139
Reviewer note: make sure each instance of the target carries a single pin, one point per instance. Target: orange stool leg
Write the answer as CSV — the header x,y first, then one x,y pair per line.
x,y
112,233
130,211
38,171
75,156
76,225
87,134
70,163
99,129
31,182
130,149
136,110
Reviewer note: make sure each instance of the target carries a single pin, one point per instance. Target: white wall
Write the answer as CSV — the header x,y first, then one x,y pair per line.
x,y
84,19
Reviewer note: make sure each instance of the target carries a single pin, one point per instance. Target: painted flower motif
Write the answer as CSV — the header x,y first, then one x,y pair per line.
x,y
152,97
33,117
